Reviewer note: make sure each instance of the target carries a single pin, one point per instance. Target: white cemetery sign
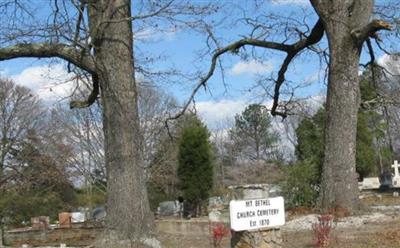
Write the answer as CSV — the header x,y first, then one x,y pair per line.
x,y
396,178
257,213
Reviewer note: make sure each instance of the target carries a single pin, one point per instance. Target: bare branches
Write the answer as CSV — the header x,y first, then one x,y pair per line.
x,y
68,53
46,50
91,98
292,50
139,17
155,13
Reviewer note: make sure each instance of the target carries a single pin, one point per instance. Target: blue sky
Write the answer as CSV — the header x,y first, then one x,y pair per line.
x,y
179,47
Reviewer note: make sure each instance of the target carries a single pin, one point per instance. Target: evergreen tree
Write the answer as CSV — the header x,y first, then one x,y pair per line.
x,y
195,171
310,142
252,133
310,135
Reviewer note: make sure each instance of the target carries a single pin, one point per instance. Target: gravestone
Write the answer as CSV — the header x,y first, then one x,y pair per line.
x,y
170,208
40,222
215,203
396,177
214,216
386,180
370,183
259,237
64,219
99,213
78,217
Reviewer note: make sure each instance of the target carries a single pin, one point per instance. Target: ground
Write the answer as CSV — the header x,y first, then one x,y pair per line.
x,y
370,235
377,225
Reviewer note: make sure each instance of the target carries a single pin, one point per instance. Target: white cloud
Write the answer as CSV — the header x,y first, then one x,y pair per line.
x,y
297,2
251,67
217,113
391,63
155,35
50,83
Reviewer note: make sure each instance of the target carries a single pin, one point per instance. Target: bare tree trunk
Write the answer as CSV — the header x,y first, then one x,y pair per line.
x,y
339,178
129,220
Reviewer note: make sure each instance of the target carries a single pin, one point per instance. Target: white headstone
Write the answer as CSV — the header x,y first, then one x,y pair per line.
x,y
396,178
214,216
371,183
77,217
256,214
396,166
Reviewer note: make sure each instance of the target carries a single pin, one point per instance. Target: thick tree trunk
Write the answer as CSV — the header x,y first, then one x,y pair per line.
x,y
339,180
339,174
129,220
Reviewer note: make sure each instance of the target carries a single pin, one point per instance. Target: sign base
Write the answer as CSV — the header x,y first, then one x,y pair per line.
x,y
270,238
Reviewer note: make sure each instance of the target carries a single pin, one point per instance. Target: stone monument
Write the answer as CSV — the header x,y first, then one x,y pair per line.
x,y
260,238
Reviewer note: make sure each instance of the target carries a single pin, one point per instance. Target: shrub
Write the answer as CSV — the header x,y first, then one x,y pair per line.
x,y
301,185
218,232
322,231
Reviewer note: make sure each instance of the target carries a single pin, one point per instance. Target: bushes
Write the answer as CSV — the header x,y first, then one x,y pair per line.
x,y
301,185
20,206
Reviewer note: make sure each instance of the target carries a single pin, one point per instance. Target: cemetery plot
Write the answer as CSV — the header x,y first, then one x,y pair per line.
x,y
258,213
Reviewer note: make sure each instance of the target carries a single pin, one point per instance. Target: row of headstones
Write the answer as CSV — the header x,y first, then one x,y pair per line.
x,y
67,219
386,180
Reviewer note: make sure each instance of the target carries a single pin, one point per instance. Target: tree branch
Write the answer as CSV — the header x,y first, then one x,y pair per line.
x,y
315,36
360,35
292,50
46,50
91,98
133,18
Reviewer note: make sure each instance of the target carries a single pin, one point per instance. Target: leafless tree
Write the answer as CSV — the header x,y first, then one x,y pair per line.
x,y
347,26
21,112
97,37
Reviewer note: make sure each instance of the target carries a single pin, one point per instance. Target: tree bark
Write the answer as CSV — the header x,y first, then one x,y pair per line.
x,y
129,221
339,179
110,61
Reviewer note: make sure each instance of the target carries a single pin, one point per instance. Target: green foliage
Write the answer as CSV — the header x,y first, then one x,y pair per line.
x,y
195,170
310,139
91,197
366,157
18,206
304,177
40,189
252,133
156,195
301,185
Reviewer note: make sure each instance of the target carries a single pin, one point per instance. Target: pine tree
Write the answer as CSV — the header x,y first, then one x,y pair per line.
x,y
310,135
252,134
195,171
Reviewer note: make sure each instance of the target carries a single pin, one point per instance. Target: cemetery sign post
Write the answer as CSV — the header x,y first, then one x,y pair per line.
x,y
256,216
257,213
